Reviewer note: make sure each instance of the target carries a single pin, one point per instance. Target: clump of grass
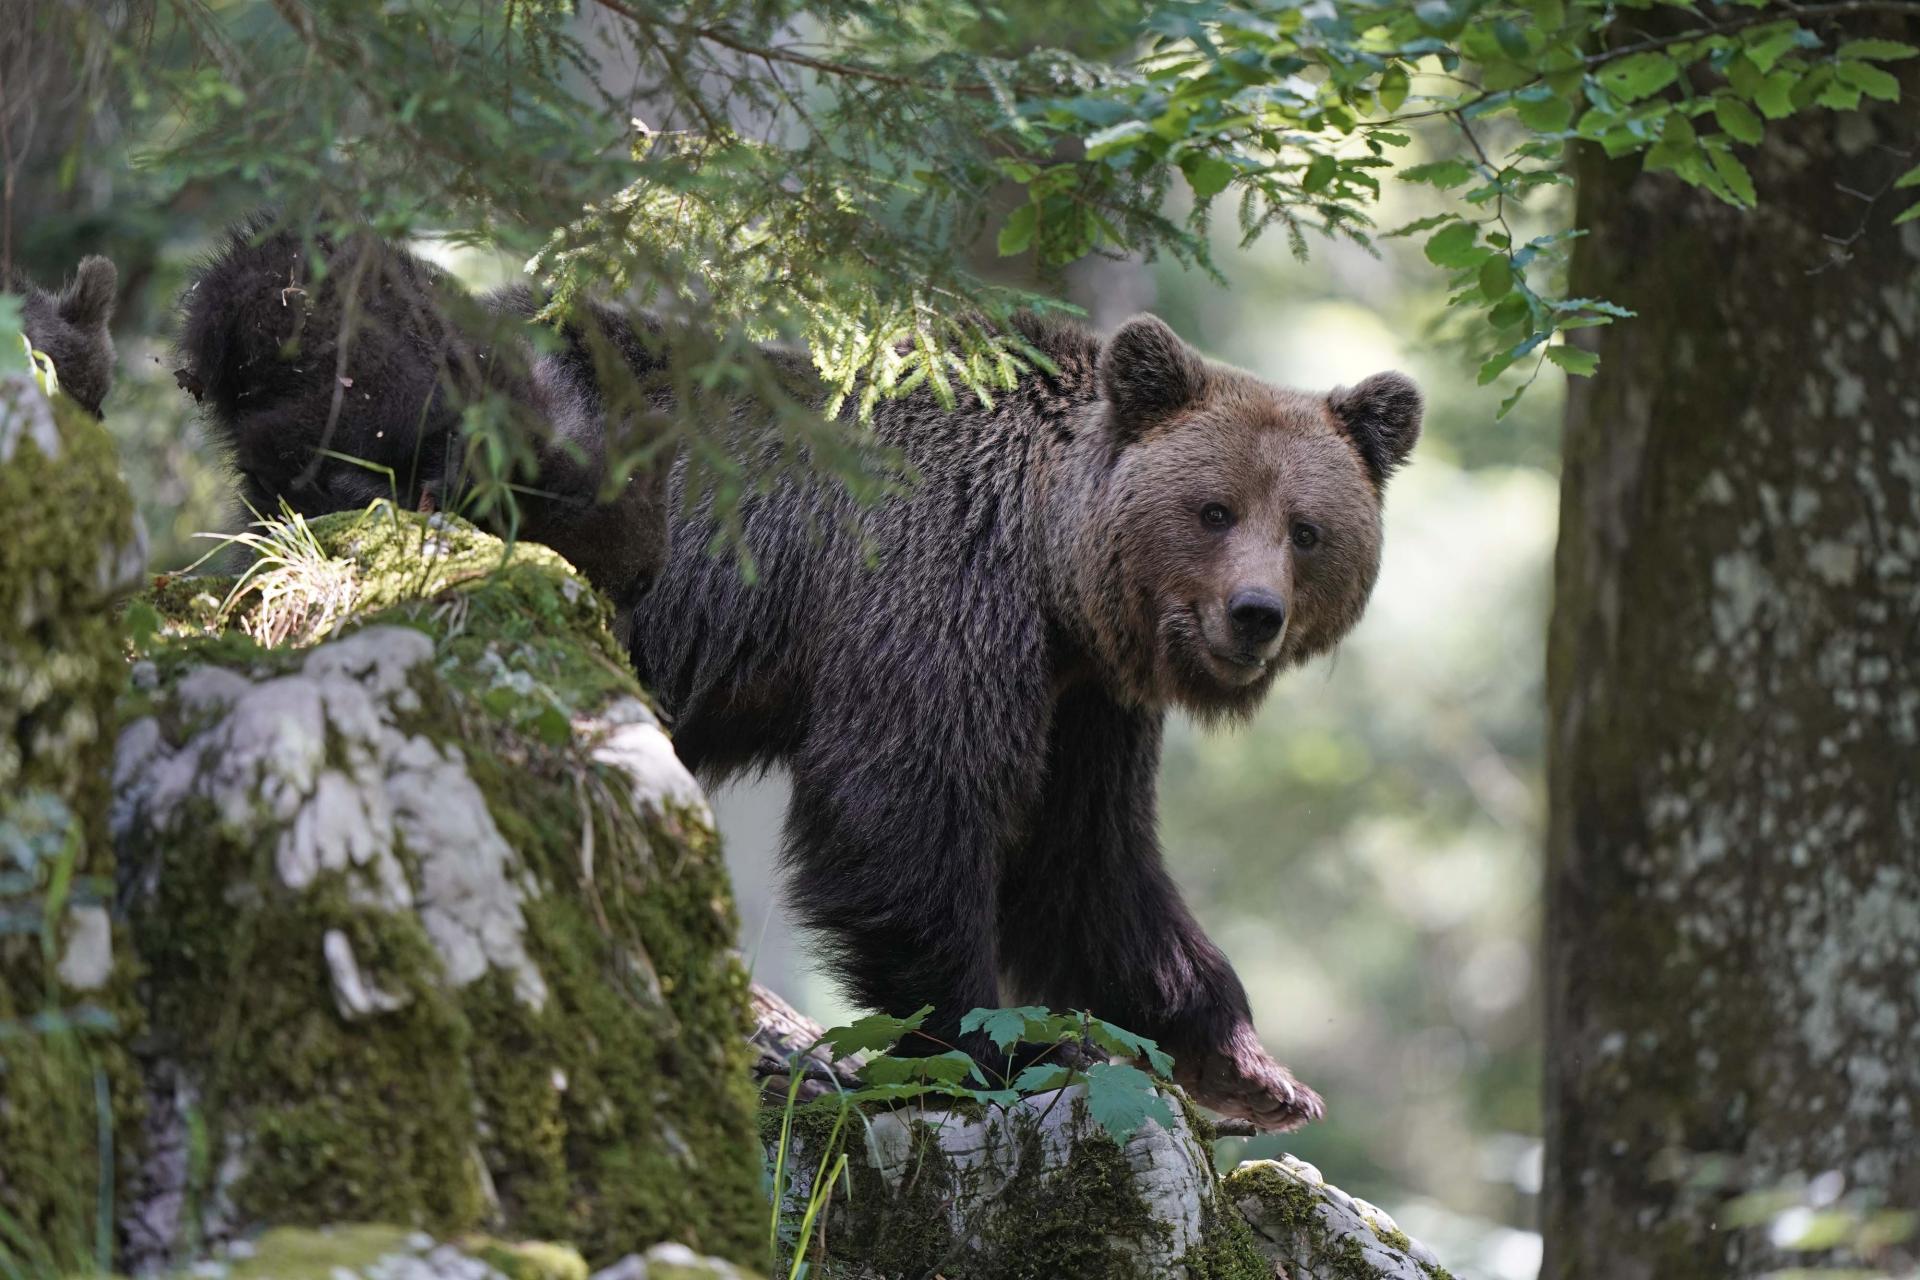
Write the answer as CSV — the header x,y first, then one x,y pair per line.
x,y
299,591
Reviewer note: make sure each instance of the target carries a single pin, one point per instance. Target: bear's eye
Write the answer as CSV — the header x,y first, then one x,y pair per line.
x,y
1305,536
1215,516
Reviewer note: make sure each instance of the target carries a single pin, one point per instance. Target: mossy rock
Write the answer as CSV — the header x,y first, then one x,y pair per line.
x,y
1313,1230
380,1252
436,928
1036,1190
69,541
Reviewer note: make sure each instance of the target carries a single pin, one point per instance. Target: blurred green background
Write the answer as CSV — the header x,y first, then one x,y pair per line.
x,y
1366,850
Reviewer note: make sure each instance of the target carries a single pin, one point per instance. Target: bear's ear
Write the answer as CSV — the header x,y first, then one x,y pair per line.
x,y
1147,372
1382,415
88,301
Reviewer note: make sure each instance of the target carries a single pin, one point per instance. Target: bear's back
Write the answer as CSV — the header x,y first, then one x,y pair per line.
x,y
835,582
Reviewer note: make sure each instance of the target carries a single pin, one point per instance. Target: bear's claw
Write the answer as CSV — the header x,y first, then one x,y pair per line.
x,y
1242,1082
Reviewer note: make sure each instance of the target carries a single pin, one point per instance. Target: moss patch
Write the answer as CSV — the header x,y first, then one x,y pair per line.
x,y
350,1251
1227,1248
1086,1219
1307,1225
67,1094
1027,1206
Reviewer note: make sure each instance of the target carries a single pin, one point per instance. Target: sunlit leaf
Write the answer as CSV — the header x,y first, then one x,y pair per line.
x,y
1574,360
1453,246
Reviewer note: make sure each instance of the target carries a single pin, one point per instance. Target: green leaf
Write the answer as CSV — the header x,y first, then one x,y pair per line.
x,y
1575,360
1838,96
1121,1099
143,623
1735,175
1041,1077
1506,406
1495,366
1119,1040
1441,17
1878,50
1737,118
1119,137
1745,78
1545,115
1018,233
1319,173
1676,147
875,1031
1005,1027
1911,178
1453,246
1766,50
1775,96
1870,80
1909,215
1510,311
1496,277
1393,88
1209,175
1418,225
1638,75
1439,173
945,1068
1512,40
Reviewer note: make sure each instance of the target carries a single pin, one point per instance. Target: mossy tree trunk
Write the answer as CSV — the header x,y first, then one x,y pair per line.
x,y
1734,853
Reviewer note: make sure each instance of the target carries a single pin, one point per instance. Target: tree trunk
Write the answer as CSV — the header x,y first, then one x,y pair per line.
x,y
1733,925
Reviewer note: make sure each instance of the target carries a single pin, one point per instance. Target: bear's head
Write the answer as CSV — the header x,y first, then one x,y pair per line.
x,y
1234,530
70,328
322,368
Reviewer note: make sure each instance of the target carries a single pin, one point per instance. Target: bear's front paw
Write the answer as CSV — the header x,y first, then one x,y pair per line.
x,y
1242,1082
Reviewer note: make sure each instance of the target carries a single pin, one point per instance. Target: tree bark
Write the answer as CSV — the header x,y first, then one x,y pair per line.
x,y
1733,919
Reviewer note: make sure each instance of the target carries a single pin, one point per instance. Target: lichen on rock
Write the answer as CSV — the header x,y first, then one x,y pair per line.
x,y
437,932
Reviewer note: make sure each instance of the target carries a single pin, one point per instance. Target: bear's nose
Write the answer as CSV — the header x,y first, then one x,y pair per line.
x,y
1257,616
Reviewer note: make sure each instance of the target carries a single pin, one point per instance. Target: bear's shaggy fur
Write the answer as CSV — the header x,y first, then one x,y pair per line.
x,y
973,722
70,328
968,682
309,356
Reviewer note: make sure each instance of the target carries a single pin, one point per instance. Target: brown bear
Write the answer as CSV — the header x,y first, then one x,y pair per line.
x,y
70,329
336,371
968,681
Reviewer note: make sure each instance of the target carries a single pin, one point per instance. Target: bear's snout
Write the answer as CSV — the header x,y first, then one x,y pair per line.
x,y
1258,617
